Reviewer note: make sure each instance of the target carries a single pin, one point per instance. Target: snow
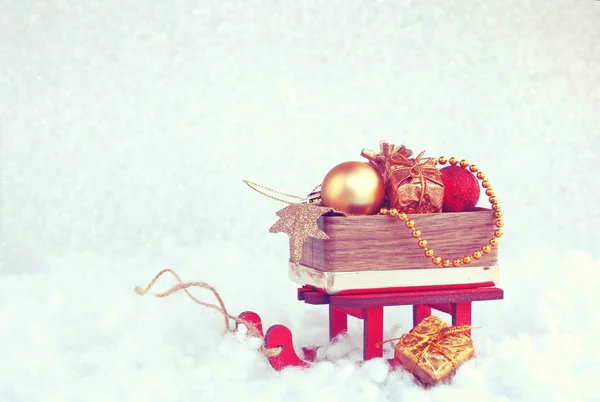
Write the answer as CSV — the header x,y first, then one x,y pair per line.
x,y
126,129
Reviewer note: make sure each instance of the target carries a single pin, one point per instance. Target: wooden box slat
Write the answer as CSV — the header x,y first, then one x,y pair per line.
x,y
381,242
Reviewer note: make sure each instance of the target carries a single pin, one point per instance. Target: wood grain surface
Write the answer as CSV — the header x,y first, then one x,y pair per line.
x,y
382,242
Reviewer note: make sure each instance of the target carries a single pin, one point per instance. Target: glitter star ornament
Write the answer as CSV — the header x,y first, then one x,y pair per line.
x,y
299,221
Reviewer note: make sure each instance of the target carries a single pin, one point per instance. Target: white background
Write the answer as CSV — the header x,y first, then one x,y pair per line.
x,y
126,128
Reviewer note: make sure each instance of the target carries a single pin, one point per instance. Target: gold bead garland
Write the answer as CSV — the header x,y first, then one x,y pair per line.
x,y
477,254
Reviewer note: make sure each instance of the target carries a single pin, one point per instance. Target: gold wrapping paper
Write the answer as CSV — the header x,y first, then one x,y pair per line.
x,y
413,185
433,350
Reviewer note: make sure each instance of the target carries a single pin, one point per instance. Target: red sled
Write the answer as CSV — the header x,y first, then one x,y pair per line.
x,y
371,262
369,308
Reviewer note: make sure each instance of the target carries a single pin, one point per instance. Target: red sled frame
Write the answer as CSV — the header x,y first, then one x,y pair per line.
x,y
369,308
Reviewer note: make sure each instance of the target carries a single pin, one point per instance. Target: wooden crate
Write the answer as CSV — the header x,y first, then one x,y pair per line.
x,y
382,242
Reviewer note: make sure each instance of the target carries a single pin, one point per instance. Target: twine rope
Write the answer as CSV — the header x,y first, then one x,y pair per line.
x,y
252,330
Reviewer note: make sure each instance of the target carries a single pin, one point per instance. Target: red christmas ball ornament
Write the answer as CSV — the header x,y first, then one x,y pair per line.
x,y
461,189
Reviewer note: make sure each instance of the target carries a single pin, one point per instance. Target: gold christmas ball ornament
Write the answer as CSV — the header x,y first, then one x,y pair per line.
x,y
354,188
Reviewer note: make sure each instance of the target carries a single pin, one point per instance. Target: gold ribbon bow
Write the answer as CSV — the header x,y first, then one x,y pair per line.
x,y
433,342
382,161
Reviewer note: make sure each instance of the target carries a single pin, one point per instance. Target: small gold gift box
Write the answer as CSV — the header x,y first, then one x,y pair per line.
x,y
433,350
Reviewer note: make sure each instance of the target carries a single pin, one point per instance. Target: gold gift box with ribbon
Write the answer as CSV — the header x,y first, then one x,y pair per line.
x,y
433,350
413,185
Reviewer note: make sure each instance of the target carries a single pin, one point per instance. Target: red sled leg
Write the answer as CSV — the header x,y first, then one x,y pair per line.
x,y
461,314
420,312
338,322
372,332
